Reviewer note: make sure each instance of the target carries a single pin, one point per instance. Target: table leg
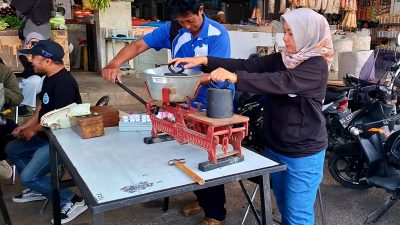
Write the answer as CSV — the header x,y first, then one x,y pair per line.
x,y
98,218
166,204
106,53
55,184
266,204
4,211
113,47
251,205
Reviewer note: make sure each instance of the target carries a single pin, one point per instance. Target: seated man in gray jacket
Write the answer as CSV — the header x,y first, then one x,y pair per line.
x,y
12,97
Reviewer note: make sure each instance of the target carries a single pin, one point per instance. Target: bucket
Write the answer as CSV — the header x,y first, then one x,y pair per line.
x,y
180,87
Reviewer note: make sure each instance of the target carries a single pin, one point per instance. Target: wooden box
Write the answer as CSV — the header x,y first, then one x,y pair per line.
x,y
109,114
88,126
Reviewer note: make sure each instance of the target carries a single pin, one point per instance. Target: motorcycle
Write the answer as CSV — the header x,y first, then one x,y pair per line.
x,y
251,105
347,164
381,150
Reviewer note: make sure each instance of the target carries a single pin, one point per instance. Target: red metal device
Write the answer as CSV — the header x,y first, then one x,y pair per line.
x,y
191,126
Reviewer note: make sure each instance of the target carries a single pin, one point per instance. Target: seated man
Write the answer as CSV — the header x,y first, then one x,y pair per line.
x,y
12,97
30,152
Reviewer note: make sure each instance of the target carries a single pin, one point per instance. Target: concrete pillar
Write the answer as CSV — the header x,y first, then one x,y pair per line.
x,y
116,17
263,8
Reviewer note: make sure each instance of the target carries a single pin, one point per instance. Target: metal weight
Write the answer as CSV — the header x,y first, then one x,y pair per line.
x,y
219,101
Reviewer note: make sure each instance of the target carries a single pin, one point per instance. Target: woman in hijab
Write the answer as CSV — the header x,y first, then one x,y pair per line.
x,y
294,83
31,83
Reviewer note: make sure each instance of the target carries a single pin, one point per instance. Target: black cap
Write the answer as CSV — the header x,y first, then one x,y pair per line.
x,y
46,48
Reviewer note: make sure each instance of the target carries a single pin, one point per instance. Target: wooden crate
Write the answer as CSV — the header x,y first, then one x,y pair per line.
x,y
10,44
61,37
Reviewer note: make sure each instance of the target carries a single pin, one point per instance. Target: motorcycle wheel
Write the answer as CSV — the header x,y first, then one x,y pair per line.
x,y
348,170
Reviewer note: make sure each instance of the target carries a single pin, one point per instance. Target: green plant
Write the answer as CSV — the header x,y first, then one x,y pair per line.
x,y
3,25
13,21
99,4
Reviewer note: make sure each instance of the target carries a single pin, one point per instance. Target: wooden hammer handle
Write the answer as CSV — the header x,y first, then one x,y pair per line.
x,y
190,173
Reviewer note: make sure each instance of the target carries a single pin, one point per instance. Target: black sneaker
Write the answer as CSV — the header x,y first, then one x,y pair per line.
x,y
28,196
71,210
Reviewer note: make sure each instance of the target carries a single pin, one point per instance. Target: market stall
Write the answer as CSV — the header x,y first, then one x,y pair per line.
x,y
10,42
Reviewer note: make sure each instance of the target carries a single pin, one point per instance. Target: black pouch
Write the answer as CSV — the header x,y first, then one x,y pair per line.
x,y
21,30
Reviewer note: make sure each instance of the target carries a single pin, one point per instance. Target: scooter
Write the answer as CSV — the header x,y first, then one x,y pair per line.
x,y
347,164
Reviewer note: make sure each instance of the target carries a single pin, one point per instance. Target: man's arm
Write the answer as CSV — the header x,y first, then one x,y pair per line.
x,y
157,39
112,70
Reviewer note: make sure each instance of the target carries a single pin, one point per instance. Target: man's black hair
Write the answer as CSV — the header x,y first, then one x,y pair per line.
x,y
182,7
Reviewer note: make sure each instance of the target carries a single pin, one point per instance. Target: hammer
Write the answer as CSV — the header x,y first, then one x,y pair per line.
x,y
179,163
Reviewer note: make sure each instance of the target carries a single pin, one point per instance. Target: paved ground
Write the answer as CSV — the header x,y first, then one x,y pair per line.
x,y
342,205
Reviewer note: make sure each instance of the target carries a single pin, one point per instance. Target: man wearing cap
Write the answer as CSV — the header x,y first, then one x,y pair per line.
x,y
220,17
30,151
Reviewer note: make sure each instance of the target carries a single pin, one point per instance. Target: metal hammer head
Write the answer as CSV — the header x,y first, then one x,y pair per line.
x,y
173,161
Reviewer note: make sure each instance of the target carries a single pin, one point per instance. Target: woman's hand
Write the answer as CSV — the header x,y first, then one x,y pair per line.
x,y
189,62
222,75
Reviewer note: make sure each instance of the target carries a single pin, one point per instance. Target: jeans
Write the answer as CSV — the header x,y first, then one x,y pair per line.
x,y
32,160
296,187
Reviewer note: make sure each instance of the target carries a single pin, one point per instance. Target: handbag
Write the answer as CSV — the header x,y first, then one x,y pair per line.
x,y
21,30
23,23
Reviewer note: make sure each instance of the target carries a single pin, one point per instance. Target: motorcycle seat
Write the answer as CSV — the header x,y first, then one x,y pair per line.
x,y
388,183
335,89
331,97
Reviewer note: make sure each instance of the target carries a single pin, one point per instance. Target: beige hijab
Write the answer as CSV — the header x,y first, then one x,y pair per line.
x,y
312,36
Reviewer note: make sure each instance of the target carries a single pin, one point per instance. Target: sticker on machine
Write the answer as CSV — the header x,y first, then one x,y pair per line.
x,y
159,80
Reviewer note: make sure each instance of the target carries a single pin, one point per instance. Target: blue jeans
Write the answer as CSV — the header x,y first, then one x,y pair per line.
x,y
32,160
296,187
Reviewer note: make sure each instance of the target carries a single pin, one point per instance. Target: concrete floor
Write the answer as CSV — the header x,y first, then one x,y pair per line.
x,y
342,205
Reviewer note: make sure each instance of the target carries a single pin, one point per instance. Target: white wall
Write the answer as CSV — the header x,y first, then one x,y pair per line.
x,y
118,16
245,43
395,6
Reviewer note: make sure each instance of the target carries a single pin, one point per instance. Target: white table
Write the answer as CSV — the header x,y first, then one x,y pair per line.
x,y
118,170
